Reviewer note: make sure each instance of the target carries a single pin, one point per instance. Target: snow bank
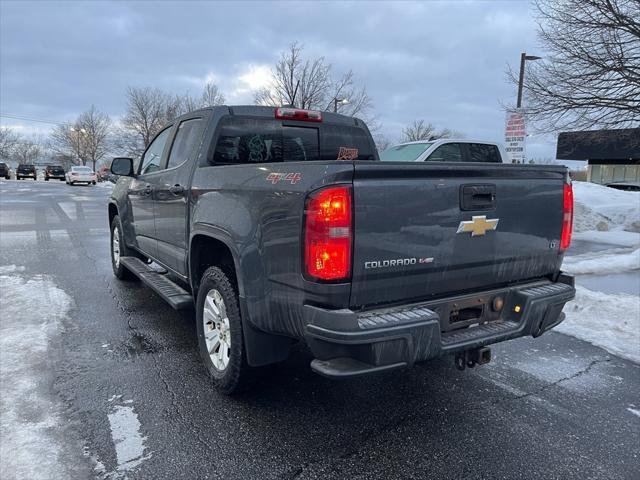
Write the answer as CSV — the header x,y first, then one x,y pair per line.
x,y
32,445
603,262
602,208
616,237
605,320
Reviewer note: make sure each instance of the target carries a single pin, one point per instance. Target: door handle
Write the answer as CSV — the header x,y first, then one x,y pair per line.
x,y
148,189
176,189
478,197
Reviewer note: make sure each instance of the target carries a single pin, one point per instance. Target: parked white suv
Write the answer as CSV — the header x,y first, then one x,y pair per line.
x,y
446,150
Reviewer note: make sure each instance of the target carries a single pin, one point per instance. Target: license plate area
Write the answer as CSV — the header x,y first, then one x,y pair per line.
x,y
467,312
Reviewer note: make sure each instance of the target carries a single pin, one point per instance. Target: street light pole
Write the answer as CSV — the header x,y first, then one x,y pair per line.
x,y
78,132
341,101
523,58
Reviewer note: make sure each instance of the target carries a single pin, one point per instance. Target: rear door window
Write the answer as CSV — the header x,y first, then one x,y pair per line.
x,y
482,152
449,152
186,142
255,140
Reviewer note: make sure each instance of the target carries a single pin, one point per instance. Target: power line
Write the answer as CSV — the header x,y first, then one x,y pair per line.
x,y
30,119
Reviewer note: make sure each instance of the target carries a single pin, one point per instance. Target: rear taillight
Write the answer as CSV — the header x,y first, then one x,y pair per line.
x,y
284,113
567,216
328,234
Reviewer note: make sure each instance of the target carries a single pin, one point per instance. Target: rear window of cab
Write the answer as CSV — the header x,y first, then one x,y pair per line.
x,y
243,140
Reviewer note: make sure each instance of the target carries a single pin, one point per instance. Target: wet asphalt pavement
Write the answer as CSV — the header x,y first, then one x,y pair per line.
x,y
553,407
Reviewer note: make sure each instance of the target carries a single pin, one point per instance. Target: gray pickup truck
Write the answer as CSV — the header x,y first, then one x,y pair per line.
x,y
280,225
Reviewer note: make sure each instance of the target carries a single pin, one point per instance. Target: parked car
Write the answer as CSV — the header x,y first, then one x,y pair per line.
x,y
26,171
629,186
281,224
80,175
446,150
53,171
5,172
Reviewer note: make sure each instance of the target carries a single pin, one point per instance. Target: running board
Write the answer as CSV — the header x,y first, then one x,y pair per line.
x,y
173,294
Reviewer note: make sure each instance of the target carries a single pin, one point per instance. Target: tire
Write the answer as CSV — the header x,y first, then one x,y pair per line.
x,y
219,293
119,270
46,179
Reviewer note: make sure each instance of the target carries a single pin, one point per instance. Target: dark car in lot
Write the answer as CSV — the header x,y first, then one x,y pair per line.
x,y
53,171
4,171
25,171
280,224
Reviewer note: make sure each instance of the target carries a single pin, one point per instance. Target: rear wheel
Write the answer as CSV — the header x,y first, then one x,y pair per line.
x,y
220,338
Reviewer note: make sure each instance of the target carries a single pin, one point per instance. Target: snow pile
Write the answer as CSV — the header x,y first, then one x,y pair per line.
x,y
106,184
608,261
32,445
608,321
602,208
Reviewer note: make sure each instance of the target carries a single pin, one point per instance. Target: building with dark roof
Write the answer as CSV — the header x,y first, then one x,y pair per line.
x,y
612,155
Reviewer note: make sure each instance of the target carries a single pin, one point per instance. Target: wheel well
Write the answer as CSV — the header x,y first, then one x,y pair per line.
x,y
207,252
113,211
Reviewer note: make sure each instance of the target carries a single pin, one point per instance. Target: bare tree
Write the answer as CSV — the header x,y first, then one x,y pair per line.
x,y
420,130
96,127
591,79
308,83
26,151
8,141
146,112
150,109
211,96
69,140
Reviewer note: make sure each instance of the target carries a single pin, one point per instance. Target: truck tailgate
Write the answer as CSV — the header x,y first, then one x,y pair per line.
x,y
426,230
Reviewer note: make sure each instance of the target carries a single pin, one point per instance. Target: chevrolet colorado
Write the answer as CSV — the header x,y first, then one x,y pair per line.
x,y
279,224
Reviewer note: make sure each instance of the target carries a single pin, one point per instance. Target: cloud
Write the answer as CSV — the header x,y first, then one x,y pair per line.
x,y
441,61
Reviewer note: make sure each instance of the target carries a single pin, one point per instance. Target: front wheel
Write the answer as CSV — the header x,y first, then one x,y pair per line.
x,y
220,338
118,250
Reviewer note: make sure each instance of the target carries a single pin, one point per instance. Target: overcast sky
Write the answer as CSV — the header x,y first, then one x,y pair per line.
x,y
440,61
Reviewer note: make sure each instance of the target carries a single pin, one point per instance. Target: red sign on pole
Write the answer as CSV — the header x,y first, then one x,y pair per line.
x,y
515,135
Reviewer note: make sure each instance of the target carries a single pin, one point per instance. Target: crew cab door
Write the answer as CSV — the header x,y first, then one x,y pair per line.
x,y
171,197
141,193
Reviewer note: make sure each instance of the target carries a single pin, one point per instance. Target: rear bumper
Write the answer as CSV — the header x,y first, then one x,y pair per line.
x,y
347,343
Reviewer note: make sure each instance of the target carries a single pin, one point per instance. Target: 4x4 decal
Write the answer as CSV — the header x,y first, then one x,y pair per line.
x,y
291,178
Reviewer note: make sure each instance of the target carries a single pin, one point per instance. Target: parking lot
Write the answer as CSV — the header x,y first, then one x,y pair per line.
x,y
129,397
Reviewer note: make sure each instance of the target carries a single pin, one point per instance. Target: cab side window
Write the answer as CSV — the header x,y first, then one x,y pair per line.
x,y
152,157
186,142
483,152
449,152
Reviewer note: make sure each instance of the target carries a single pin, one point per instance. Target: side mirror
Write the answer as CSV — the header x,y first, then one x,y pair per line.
x,y
122,166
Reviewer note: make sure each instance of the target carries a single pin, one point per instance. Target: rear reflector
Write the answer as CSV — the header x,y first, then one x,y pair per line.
x,y
328,234
567,217
283,113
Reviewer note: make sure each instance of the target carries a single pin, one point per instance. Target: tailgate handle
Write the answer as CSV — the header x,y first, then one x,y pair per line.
x,y
478,197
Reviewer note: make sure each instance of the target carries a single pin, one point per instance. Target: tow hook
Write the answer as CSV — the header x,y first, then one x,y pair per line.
x,y
469,358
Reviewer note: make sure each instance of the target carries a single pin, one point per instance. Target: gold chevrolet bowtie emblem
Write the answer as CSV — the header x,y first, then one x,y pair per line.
x,y
478,225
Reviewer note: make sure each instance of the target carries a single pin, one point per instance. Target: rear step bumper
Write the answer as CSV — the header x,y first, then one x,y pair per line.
x,y
347,343
173,294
